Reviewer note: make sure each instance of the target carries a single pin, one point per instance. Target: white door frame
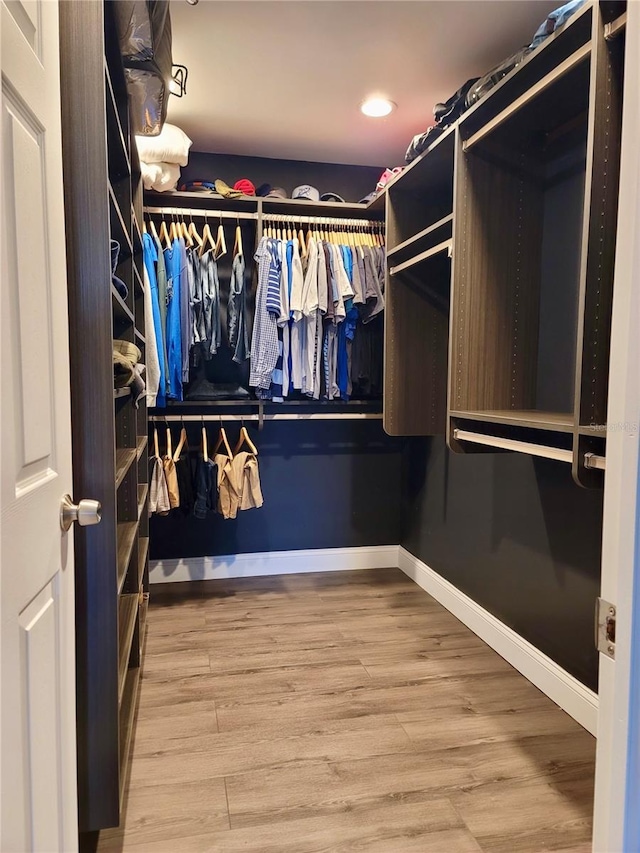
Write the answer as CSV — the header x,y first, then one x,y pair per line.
x,y
616,818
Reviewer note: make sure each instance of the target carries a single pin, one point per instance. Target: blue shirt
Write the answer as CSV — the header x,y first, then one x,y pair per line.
x,y
150,256
173,263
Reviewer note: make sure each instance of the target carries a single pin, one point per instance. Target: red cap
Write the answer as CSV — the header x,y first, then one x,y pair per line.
x,y
245,186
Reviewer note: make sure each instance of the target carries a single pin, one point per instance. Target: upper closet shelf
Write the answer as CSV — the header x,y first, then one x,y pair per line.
x,y
525,418
422,256
258,205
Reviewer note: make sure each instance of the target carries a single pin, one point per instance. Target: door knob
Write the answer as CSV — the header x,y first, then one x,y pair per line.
x,y
86,512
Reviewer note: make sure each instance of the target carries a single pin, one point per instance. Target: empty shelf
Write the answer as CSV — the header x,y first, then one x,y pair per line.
x,y
125,457
140,446
527,418
445,222
126,538
143,550
127,717
143,491
127,614
423,256
121,310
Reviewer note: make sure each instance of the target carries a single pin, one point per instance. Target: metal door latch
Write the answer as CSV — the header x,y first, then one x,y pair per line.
x,y
606,628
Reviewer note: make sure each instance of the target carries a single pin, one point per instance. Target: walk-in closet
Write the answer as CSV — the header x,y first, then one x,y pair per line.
x,y
350,324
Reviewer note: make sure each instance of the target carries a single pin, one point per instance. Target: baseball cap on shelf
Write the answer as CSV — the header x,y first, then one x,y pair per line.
x,y
245,186
225,190
264,190
332,197
368,198
276,192
306,192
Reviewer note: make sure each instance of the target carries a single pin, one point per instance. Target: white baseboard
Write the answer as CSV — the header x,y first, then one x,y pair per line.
x,y
561,687
274,563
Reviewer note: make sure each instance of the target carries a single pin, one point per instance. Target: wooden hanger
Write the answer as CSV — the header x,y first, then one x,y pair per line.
x,y
220,247
169,442
222,439
207,237
152,226
181,444
144,226
164,234
304,249
193,231
237,246
186,234
244,437
156,447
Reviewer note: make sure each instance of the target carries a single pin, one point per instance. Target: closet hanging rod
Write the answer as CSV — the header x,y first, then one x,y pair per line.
x,y
288,416
557,453
213,214
327,220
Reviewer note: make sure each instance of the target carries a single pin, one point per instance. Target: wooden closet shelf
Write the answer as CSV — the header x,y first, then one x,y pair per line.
x,y
143,491
121,310
527,418
140,446
127,532
125,457
446,221
121,392
127,616
122,234
422,256
138,279
127,720
143,550
577,58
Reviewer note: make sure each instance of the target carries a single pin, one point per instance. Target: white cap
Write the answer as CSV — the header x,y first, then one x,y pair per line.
x,y
305,191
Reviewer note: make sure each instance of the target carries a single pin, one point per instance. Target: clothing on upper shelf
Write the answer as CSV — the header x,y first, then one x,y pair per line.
x,y
309,312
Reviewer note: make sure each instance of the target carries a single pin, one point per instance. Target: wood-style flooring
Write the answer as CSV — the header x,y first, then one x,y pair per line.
x,y
342,712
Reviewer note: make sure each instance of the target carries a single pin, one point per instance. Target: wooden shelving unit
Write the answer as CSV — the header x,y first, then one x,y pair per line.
x,y
522,193
103,203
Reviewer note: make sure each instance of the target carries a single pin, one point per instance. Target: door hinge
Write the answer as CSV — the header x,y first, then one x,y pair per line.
x,y
606,627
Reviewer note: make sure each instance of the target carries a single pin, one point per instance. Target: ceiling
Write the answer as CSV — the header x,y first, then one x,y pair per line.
x,y
285,79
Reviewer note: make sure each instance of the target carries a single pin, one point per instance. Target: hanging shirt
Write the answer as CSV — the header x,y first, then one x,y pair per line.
x,y
153,326
206,480
228,487
236,312
171,478
158,492
211,324
247,480
264,341
297,323
173,263
310,321
161,273
186,323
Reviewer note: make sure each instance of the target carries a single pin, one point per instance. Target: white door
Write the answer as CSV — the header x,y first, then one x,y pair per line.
x,y
36,564
617,814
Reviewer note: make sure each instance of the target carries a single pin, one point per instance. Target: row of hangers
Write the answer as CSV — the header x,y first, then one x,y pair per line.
x,y
329,232
204,242
222,441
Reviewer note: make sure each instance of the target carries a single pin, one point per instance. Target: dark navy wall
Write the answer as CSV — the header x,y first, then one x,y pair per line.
x,y
516,535
351,182
326,484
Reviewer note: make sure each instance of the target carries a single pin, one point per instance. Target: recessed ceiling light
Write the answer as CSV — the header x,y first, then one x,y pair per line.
x,y
377,107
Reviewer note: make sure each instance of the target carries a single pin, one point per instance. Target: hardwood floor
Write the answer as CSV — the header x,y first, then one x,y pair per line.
x,y
342,712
